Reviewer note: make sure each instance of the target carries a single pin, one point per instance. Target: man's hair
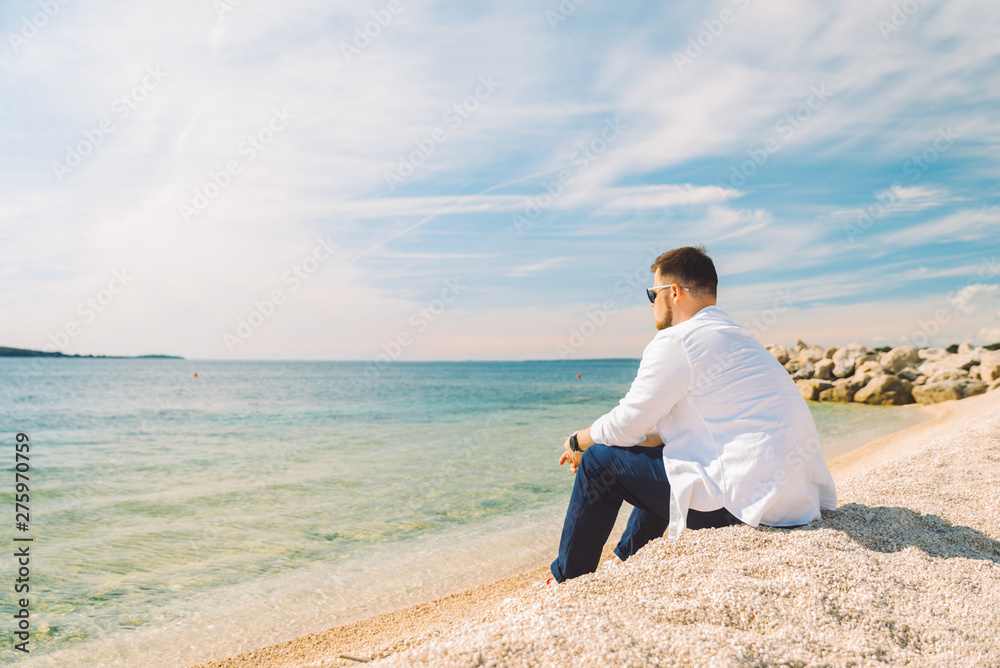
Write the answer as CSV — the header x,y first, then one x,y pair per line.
x,y
690,267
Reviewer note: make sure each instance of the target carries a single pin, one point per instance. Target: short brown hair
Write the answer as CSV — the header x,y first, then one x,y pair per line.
x,y
691,267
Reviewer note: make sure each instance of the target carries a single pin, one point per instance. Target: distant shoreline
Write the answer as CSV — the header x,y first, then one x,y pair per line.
x,y
24,352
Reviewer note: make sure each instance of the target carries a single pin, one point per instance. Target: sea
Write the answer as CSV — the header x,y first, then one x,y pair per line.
x,y
185,510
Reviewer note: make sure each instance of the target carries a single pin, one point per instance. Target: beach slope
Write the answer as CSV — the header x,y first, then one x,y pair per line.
x,y
906,571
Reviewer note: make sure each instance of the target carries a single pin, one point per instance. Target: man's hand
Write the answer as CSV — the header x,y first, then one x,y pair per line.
x,y
569,456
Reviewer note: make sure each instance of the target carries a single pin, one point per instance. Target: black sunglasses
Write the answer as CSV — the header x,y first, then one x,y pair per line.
x,y
650,292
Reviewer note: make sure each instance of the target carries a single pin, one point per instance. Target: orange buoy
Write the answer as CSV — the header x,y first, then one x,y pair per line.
x,y
195,374
579,376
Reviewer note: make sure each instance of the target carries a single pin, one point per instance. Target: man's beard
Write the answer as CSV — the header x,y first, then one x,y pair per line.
x,y
668,319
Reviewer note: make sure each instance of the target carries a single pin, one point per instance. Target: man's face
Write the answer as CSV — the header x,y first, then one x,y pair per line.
x,y
663,315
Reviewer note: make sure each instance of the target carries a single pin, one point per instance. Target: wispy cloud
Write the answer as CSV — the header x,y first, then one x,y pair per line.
x,y
966,225
659,196
746,109
544,265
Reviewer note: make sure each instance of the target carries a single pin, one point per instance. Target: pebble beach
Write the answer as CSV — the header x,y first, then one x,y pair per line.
x,y
905,572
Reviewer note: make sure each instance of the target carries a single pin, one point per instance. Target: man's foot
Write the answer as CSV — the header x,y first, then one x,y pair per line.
x,y
612,562
546,582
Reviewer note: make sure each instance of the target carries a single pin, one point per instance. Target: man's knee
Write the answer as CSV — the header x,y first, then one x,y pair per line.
x,y
596,466
593,457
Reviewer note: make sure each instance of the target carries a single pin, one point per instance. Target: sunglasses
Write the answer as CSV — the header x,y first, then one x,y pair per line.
x,y
651,292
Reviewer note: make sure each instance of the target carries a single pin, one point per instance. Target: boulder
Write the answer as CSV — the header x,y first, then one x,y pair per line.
x,y
843,390
948,374
807,370
871,368
830,352
989,366
811,388
908,374
780,353
812,354
900,358
845,359
843,368
793,366
964,349
948,390
964,362
931,353
974,373
800,345
823,369
994,385
884,390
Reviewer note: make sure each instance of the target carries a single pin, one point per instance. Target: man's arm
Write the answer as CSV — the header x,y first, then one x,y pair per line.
x,y
584,440
664,379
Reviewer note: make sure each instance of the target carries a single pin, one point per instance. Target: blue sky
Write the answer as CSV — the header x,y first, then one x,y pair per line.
x,y
491,180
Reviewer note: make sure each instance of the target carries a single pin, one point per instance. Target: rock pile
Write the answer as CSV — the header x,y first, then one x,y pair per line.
x,y
902,375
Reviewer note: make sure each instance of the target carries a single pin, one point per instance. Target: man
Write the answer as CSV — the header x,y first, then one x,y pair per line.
x,y
712,432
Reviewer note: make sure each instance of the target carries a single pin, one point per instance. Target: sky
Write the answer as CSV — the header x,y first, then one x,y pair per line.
x,y
391,180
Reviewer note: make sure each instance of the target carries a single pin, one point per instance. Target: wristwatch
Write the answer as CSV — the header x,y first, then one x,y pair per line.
x,y
574,444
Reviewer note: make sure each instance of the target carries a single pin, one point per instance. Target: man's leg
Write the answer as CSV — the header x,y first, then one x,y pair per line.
x,y
643,526
606,477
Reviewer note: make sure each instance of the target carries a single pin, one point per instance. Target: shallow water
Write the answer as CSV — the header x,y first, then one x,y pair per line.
x,y
178,518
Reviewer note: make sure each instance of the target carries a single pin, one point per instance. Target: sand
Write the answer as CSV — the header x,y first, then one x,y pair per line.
x,y
906,571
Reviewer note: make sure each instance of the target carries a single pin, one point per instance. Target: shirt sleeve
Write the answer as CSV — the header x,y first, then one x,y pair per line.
x,y
664,378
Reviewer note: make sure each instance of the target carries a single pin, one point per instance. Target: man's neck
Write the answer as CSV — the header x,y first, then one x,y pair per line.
x,y
700,308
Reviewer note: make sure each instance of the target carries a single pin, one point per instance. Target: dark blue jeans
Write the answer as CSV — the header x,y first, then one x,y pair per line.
x,y
606,477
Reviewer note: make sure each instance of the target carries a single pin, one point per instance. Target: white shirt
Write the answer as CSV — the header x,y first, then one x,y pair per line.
x,y
737,433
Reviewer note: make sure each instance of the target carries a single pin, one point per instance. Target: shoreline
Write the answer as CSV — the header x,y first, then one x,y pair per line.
x,y
395,631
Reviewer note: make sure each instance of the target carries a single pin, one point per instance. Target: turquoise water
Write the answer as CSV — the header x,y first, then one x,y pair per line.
x,y
263,500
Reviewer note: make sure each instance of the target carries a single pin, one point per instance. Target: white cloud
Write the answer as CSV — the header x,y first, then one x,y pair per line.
x,y
660,196
962,300
352,121
544,265
965,225
988,335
